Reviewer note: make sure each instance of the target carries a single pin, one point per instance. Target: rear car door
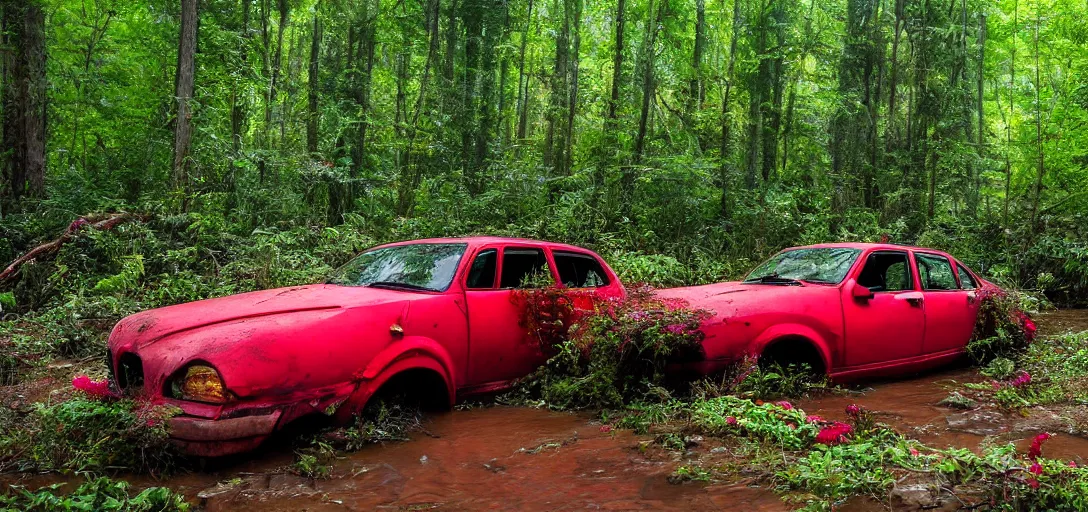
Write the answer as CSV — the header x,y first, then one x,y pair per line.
x,y
890,325
499,348
950,309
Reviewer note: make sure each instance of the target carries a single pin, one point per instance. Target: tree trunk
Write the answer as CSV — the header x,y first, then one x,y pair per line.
x,y
727,114
976,185
695,87
648,57
312,117
572,101
523,79
34,113
1012,111
184,83
557,108
1040,162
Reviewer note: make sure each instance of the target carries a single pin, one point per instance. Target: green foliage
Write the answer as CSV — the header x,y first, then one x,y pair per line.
x,y
81,434
867,463
100,494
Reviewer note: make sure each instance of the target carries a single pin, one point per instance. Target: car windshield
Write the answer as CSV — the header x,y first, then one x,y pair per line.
x,y
823,265
427,267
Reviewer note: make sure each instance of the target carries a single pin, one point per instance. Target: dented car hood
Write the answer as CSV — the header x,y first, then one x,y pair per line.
x,y
289,333
145,328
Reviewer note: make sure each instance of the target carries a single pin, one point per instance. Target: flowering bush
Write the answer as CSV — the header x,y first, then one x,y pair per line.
x,y
606,352
1002,329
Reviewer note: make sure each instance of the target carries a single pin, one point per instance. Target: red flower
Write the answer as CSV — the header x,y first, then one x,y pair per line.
x,y
730,420
853,410
1073,465
96,389
785,405
1036,469
914,452
814,419
834,434
1033,483
606,428
1037,446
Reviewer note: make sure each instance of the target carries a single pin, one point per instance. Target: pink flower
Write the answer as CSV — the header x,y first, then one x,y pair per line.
x,y
674,329
1037,445
814,419
914,452
853,410
1073,465
834,434
1033,483
730,420
1022,379
785,405
1036,469
96,389
606,428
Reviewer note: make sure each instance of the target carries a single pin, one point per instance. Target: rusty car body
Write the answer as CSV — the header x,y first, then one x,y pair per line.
x,y
440,314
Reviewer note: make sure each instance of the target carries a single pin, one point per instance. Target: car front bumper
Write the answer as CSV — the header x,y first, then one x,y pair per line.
x,y
218,437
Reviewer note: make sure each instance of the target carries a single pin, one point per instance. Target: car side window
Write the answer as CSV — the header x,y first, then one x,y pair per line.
x,y
967,282
935,272
481,274
886,272
579,270
524,268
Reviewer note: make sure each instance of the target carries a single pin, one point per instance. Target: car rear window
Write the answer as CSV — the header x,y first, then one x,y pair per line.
x,y
578,270
935,272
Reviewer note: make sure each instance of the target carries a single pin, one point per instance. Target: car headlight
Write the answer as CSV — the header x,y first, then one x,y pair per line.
x,y
200,383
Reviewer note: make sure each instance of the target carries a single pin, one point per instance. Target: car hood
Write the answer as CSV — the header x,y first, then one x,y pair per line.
x,y
145,328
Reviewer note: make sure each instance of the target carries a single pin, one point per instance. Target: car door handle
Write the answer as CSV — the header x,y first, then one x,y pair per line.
x,y
914,298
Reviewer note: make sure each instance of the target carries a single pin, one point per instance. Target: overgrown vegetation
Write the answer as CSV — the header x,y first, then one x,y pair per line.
x,y
822,464
90,431
606,352
100,494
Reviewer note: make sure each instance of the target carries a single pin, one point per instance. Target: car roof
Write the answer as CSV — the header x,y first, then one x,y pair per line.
x,y
874,246
477,241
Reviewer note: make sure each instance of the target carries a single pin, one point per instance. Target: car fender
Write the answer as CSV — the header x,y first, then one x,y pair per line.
x,y
791,330
412,352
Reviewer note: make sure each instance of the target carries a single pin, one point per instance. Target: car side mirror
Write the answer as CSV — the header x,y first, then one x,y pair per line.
x,y
860,292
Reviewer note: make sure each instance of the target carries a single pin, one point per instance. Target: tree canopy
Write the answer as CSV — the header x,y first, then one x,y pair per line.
x,y
713,131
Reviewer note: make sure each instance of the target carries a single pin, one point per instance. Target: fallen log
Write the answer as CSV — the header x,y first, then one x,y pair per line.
x,y
98,223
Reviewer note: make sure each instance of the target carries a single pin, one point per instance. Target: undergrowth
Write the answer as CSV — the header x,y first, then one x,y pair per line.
x,y
100,494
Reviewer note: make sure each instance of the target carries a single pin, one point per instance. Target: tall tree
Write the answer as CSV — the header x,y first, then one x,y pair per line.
x,y
183,87
313,114
726,150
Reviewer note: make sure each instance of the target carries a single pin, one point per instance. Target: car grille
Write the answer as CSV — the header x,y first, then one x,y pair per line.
x,y
130,373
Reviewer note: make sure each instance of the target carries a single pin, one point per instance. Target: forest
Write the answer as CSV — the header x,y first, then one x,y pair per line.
x,y
709,132
160,152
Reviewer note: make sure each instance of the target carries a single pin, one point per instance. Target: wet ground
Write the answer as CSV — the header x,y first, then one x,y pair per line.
x,y
504,458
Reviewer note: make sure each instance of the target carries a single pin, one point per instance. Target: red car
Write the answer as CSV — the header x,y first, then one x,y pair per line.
x,y
437,314
846,310
440,316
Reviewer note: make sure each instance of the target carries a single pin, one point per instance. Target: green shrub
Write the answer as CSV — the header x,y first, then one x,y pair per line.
x,y
98,495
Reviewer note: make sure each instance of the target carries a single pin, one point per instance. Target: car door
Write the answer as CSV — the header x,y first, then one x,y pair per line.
x,y
499,348
889,325
950,309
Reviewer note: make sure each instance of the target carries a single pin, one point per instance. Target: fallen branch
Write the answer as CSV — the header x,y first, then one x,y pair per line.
x,y
51,248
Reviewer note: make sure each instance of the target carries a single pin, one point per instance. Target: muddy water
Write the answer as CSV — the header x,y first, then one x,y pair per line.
x,y
912,406
497,458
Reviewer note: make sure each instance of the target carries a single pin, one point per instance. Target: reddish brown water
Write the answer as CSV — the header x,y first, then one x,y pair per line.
x,y
528,459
